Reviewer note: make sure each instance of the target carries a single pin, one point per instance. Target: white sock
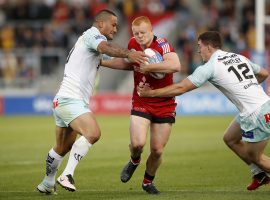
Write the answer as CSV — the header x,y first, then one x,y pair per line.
x,y
78,151
254,169
53,162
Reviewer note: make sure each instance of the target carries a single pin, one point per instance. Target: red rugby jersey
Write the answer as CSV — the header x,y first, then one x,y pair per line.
x,y
162,46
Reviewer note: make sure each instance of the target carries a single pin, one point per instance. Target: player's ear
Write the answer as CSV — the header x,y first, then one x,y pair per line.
x,y
100,24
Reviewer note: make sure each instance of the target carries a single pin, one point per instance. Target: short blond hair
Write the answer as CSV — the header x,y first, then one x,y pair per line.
x,y
138,20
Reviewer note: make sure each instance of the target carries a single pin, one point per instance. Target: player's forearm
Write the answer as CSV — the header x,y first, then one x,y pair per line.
x,y
170,64
116,63
169,91
175,89
164,66
113,50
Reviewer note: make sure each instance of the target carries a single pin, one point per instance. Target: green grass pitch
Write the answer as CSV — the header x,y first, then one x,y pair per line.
x,y
196,163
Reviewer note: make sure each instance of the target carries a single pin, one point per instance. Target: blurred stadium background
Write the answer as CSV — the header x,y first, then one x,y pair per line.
x,y
36,36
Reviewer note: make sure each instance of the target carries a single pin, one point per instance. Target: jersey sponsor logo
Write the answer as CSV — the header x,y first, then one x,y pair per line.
x,y
162,43
226,57
97,37
55,104
143,82
250,84
248,134
267,117
232,61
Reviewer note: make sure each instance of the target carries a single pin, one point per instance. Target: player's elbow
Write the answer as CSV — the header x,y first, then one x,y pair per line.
x,y
265,74
178,67
103,47
175,67
176,63
179,89
262,75
101,50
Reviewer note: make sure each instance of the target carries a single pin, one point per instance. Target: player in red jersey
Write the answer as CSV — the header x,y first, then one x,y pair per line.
x,y
156,114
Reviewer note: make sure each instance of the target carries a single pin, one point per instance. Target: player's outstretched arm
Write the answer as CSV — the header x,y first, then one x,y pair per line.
x,y
116,63
169,91
114,50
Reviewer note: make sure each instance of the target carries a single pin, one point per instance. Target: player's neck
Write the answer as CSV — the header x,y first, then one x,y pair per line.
x,y
210,54
143,47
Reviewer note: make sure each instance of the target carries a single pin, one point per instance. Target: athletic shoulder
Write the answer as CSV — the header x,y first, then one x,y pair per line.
x,y
202,74
92,37
93,32
132,44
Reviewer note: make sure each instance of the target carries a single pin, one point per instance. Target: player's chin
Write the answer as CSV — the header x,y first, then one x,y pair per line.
x,y
142,42
110,37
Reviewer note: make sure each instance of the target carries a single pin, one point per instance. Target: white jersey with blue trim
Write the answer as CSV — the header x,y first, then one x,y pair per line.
x,y
82,65
234,76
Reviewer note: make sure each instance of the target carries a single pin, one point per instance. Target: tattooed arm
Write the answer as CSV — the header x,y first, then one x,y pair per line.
x,y
114,50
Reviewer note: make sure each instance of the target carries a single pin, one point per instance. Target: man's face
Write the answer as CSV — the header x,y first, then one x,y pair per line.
x,y
143,34
203,50
109,27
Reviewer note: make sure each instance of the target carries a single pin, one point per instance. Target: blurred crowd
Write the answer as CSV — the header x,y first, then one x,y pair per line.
x,y
43,24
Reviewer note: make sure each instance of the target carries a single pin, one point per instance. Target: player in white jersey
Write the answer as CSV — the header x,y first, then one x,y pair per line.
x,y
238,79
71,103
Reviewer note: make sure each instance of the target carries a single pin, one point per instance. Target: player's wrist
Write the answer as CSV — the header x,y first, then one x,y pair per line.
x,y
128,54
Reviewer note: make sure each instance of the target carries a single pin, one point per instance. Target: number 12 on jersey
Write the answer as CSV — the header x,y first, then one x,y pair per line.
x,y
241,71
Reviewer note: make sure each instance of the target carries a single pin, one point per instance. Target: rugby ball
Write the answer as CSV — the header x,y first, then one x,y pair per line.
x,y
154,57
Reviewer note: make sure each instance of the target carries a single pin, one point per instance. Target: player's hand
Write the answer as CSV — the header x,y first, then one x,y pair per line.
x,y
137,57
144,90
144,68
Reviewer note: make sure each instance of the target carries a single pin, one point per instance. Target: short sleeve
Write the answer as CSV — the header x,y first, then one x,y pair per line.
x,y
165,46
92,38
106,57
256,68
201,75
132,43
